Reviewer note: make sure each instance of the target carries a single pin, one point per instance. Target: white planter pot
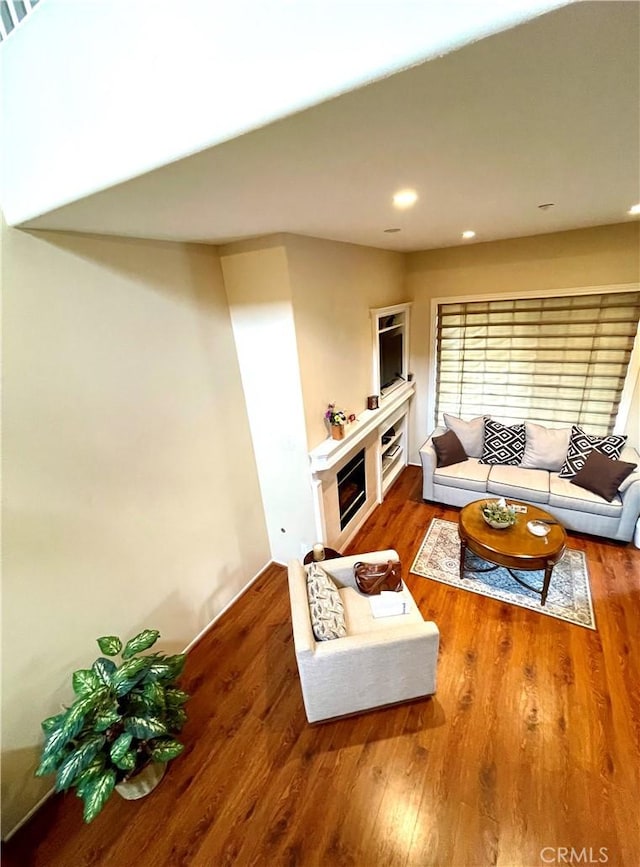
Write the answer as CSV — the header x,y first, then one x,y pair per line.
x,y
142,783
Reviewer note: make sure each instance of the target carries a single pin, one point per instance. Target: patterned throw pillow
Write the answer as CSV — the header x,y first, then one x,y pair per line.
x,y
581,445
325,605
503,444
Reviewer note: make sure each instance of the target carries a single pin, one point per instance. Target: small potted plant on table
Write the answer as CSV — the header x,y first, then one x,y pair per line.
x,y
498,515
119,732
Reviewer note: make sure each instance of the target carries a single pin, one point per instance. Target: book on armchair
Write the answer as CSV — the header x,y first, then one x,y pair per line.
x,y
389,604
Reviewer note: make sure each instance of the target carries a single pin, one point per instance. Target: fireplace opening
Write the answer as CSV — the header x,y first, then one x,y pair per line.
x,y
352,488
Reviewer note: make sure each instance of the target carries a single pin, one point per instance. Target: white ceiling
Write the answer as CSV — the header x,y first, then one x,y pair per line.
x,y
546,112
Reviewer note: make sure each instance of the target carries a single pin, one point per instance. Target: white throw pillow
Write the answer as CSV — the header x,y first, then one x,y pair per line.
x,y
546,448
470,433
325,605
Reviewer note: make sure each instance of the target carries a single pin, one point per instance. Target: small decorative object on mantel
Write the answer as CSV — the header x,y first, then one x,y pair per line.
x,y
372,401
337,420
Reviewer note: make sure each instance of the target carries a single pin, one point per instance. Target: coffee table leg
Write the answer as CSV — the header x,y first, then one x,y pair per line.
x,y
463,553
548,569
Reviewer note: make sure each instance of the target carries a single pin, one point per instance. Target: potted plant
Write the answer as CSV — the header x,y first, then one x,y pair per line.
x,y
123,720
498,515
337,420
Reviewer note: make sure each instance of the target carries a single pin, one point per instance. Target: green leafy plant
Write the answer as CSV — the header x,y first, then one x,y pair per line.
x,y
124,716
496,512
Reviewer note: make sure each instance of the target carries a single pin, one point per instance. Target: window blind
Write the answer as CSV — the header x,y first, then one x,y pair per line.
x,y
559,360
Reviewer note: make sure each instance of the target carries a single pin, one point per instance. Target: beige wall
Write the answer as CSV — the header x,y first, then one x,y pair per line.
x,y
333,287
586,257
256,277
300,313
130,494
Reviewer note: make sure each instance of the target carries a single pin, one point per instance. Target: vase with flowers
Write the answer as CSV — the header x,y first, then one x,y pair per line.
x,y
337,420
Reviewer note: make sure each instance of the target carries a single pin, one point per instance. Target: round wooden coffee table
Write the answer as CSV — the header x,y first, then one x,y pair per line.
x,y
514,548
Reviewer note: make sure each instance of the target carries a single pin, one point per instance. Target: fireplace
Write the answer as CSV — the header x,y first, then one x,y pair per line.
x,y
339,514
352,488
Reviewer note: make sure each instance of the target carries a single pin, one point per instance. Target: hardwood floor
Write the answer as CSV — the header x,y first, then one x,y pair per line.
x,y
531,743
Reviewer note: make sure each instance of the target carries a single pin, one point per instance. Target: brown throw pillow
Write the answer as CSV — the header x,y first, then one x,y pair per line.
x,y
602,475
449,449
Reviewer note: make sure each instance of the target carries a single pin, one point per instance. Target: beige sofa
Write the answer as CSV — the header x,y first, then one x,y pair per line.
x,y
380,661
577,508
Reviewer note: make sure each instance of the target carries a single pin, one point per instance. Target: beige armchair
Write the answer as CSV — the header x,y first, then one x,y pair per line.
x,y
381,661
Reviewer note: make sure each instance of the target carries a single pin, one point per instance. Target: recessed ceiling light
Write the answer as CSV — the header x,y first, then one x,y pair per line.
x,y
391,231
468,233
634,210
405,199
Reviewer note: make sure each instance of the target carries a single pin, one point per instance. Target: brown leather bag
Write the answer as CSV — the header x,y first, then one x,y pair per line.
x,y
372,578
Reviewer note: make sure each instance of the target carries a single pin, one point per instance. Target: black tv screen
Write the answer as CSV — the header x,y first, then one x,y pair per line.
x,y
390,358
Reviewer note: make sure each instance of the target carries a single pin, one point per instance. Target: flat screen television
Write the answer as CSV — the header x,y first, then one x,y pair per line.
x,y
391,358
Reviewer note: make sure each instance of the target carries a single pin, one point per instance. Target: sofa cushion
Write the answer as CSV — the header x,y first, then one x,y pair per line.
x,y
470,433
360,620
448,449
325,605
582,444
545,448
602,476
469,475
503,444
518,484
564,495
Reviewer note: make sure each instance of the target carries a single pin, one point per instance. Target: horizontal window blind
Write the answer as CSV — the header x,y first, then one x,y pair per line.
x,y
556,360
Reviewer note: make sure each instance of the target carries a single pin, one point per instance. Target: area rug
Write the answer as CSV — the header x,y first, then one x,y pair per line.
x,y
569,594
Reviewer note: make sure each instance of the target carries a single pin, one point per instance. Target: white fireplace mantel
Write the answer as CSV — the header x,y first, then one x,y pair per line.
x,y
330,452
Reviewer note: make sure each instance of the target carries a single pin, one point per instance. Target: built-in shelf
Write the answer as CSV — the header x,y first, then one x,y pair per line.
x,y
388,461
381,433
393,448
390,446
390,347
330,452
383,464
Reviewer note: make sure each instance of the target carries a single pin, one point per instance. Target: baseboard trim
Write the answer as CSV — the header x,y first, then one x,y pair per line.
x,y
30,813
224,610
190,646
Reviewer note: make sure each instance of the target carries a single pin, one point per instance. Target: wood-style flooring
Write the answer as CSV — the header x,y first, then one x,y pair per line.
x,y
528,754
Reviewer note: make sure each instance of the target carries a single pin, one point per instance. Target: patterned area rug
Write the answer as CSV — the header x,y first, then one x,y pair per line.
x,y
569,593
